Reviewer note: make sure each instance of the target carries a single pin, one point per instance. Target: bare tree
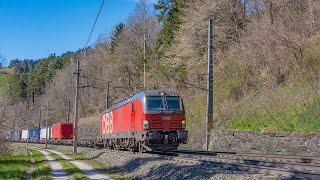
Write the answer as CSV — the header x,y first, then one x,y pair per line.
x,y
2,60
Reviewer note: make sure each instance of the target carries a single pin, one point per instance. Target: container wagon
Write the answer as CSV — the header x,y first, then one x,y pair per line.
x,y
62,131
15,136
24,135
43,133
7,135
34,134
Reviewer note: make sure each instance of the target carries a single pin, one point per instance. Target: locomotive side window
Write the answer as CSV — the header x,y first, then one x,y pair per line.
x,y
155,103
173,103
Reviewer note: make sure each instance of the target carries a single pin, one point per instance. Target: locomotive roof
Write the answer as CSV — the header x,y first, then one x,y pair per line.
x,y
141,94
157,93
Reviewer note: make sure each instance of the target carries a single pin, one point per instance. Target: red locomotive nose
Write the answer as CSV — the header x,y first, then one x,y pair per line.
x,y
165,122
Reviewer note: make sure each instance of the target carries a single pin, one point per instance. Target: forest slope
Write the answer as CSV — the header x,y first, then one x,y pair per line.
x,y
267,64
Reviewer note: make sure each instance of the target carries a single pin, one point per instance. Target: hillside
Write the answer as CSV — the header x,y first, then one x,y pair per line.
x,y
4,78
267,64
266,67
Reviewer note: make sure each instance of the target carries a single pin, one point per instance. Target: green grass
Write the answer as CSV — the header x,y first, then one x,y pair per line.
x,y
4,78
14,167
4,82
284,99
73,170
290,113
42,170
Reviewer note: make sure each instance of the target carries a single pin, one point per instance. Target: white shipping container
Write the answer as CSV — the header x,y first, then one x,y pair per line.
x,y
43,133
24,134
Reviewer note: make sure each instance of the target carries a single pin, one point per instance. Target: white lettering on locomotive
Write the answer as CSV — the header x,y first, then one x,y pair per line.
x,y
107,123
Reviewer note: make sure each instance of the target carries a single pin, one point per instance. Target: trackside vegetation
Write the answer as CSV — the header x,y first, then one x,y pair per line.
x,y
17,166
14,167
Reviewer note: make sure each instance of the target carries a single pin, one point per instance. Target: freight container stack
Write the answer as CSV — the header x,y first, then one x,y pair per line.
x,y
15,136
7,135
43,133
24,135
34,134
62,131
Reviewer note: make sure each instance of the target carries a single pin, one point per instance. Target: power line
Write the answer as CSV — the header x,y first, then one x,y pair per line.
x,y
186,83
96,79
77,94
94,24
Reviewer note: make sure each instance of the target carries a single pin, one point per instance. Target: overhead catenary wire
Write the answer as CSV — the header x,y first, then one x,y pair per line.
x,y
94,24
186,83
77,73
95,79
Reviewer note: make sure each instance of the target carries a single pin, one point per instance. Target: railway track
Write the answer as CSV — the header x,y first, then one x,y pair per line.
x,y
269,165
286,158
276,165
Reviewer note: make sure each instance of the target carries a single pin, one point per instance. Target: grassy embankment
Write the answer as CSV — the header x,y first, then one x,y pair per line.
x,y
293,106
14,167
17,166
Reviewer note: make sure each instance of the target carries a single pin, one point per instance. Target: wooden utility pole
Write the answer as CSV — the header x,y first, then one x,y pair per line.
x,y
210,100
28,120
144,45
39,122
69,106
76,109
47,116
144,60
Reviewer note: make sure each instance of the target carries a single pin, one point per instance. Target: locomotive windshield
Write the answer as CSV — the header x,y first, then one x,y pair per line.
x,y
155,103
161,103
173,103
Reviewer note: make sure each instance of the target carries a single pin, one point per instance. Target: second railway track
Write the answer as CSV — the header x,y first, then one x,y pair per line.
x,y
281,166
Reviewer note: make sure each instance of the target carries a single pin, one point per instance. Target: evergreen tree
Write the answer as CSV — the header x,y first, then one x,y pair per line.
x,y
170,16
115,36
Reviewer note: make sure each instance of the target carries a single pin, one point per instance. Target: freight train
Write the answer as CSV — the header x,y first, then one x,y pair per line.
x,y
150,120
55,133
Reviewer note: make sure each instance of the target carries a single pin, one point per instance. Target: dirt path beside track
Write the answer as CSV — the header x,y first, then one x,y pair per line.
x,y
88,170
57,169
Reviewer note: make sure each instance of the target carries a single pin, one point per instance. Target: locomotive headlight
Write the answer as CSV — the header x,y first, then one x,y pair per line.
x,y
145,124
184,124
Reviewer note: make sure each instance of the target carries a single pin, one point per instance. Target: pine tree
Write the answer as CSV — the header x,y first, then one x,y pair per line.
x,y
170,16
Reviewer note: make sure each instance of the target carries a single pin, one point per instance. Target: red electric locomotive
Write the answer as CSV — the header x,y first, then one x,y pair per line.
x,y
151,120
